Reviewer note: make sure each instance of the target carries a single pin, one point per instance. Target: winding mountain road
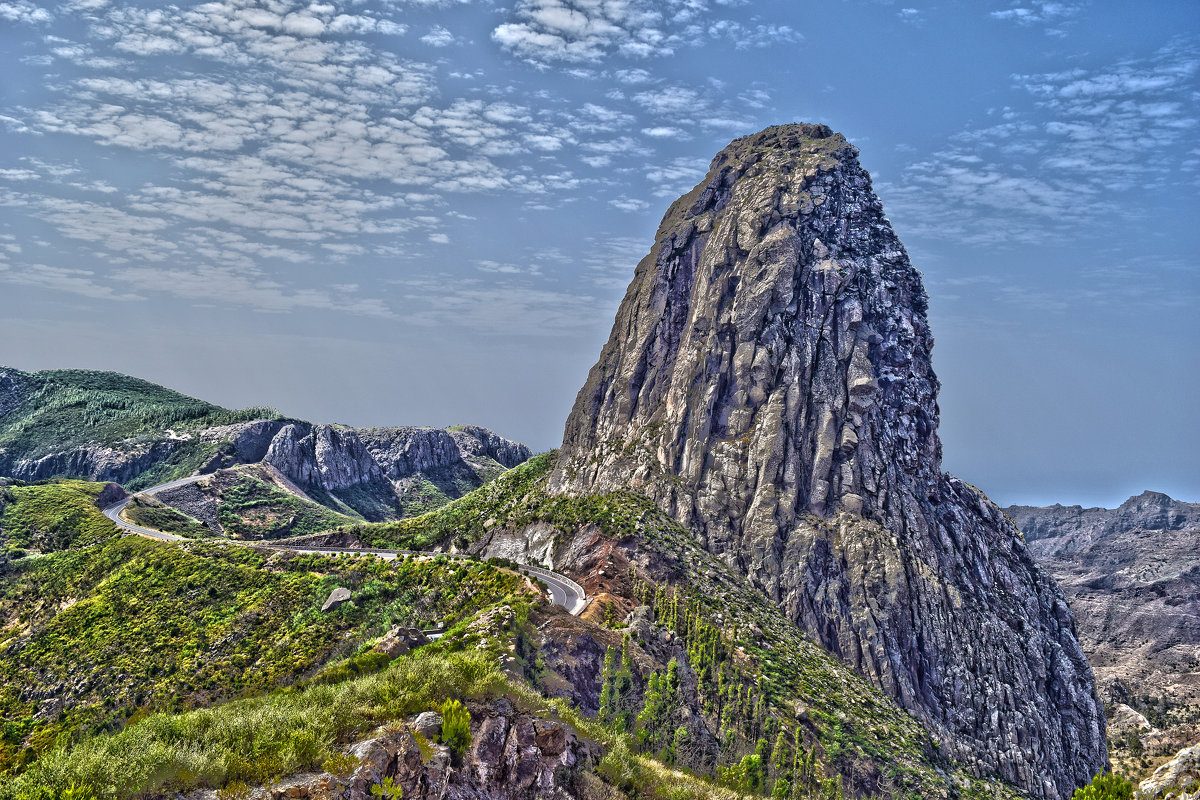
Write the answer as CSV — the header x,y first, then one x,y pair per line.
x,y
562,590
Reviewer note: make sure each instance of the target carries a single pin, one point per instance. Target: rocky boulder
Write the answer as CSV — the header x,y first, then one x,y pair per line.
x,y
512,756
1179,778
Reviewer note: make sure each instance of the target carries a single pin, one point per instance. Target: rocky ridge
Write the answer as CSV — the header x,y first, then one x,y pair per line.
x,y
1132,577
767,383
378,473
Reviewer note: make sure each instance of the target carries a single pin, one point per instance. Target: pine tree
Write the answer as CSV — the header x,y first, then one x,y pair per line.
x,y
607,699
780,756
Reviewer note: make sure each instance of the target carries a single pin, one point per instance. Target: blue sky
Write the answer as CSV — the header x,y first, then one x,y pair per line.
x,y
416,212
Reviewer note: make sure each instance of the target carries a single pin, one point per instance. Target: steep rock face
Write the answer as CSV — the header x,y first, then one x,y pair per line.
x,y
324,456
405,451
477,442
333,460
94,462
768,382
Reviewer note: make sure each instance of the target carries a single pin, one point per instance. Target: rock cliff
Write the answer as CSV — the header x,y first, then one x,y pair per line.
x,y
768,383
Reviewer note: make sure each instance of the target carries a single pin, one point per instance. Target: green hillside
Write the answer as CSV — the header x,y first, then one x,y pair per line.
x,y
51,515
108,633
701,655
57,410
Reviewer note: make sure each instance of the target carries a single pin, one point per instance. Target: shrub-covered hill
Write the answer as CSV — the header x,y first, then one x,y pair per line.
x,y
747,675
54,515
249,502
63,412
93,637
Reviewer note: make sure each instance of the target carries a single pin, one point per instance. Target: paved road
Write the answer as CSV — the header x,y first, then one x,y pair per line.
x,y
563,591
113,512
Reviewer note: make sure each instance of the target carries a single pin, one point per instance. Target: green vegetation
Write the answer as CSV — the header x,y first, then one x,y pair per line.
x,y
147,511
133,626
256,739
516,498
51,515
1105,787
753,666
66,409
148,631
456,728
254,509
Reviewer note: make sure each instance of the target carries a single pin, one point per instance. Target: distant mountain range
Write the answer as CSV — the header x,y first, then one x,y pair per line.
x,y
104,426
1132,575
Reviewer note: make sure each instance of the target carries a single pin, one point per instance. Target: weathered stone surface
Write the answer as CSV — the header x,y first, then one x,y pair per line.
x,y
428,724
336,598
398,641
513,756
1179,778
768,382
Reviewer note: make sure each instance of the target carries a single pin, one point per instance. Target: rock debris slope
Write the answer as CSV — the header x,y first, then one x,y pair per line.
x,y
768,382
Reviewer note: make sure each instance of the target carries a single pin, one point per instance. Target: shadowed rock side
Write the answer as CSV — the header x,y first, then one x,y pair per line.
x,y
768,382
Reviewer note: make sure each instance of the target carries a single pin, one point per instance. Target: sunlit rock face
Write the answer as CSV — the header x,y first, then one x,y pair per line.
x,y
768,382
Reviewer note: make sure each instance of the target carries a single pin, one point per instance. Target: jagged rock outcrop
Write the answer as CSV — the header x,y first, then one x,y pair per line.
x,y
476,442
322,456
443,462
768,382
512,756
93,462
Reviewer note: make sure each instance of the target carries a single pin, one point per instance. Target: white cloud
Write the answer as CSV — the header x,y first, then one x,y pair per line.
x,y
233,287
59,279
438,37
581,31
670,101
758,35
665,132
25,13
1049,13
629,204
513,309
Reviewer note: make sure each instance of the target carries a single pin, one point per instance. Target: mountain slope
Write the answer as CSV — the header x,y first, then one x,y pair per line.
x,y
102,426
768,384
54,515
1132,576
94,636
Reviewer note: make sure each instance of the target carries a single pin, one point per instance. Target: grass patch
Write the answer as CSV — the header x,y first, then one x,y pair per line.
x,y
150,513
256,739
